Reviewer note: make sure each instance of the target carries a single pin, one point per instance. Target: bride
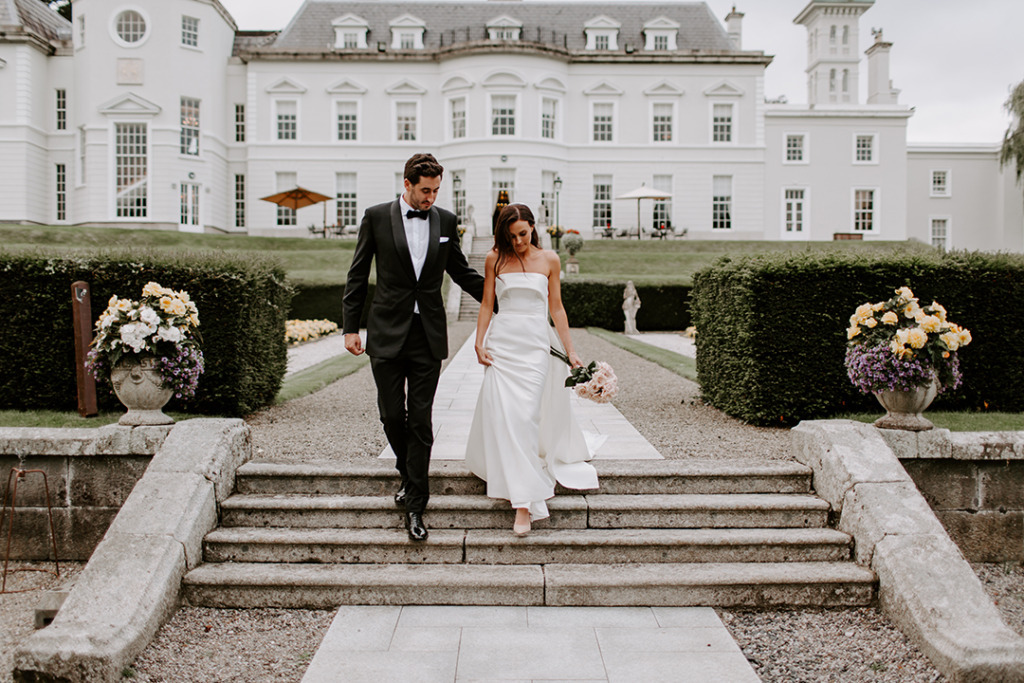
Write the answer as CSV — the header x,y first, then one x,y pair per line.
x,y
524,438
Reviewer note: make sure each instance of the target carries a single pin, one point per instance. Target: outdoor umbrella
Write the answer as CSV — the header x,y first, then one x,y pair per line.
x,y
298,198
643,192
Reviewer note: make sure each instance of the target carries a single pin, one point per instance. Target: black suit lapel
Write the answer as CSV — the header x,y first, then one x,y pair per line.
x,y
401,241
434,241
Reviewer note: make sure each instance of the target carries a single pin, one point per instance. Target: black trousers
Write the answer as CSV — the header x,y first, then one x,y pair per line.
x,y
406,415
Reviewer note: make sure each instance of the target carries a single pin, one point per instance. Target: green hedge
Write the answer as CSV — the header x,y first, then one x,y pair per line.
x,y
599,304
242,302
323,302
772,328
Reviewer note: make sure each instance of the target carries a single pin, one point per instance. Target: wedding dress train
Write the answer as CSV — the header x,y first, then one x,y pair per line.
x,y
524,437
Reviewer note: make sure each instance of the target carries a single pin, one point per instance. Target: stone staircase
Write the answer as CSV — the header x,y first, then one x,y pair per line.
x,y
655,533
468,306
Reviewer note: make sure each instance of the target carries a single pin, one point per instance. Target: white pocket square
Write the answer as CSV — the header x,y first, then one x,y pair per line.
x,y
443,240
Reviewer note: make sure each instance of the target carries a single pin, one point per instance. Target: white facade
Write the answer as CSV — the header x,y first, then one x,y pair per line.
x,y
173,119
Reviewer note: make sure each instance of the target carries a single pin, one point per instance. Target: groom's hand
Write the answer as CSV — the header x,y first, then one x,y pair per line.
x,y
354,344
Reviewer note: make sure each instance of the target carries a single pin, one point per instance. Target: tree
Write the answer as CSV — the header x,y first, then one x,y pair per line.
x,y
1013,140
61,7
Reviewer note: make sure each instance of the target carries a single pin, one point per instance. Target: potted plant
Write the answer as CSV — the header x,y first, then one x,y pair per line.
x,y
556,234
904,354
148,350
573,243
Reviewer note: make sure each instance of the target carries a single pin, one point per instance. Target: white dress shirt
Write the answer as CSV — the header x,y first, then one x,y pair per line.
x,y
417,234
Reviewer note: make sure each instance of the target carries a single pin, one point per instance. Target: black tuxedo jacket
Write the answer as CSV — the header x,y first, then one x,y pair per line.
x,y
382,236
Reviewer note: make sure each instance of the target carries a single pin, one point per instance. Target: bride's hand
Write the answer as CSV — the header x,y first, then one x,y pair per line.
x,y
575,360
482,356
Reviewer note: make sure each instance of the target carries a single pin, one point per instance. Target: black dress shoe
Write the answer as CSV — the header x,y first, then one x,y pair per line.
x,y
400,497
414,524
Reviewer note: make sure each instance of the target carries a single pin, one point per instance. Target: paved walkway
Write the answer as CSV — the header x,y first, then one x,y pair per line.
x,y
425,644
449,644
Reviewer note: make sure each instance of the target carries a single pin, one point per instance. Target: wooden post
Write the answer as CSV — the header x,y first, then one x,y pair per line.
x,y
81,307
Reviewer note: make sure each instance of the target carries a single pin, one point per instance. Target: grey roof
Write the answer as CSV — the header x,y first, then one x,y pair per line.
x,y
35,17
555,23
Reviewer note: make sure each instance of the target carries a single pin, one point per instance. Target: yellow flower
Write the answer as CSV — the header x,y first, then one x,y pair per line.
x,y
879,306
917,337
902,335
965,337
930,323
951,339
172,305
940,311
905,293
154,289
911,309
124,304
890,318
898,349
870,323
863,311
852,332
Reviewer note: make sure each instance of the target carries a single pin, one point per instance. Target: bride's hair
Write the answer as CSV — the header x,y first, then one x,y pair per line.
x,y
503,243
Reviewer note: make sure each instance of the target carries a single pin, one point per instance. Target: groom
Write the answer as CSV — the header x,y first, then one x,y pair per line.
x,y
414,243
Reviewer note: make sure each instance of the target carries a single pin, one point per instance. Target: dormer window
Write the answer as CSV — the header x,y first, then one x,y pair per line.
x,y
660,34
504,28
407,33
602,33
350,32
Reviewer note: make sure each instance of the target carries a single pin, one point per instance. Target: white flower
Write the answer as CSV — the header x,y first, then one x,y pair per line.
x,y
107,320
134,335
169,333
149,316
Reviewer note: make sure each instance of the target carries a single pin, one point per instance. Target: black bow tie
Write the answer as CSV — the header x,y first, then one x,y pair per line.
x,y
413,213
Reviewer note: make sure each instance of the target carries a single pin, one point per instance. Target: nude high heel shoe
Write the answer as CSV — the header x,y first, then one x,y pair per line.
x,y
521,528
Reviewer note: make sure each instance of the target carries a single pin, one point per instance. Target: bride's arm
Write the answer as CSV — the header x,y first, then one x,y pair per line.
x,y
483,318
556,308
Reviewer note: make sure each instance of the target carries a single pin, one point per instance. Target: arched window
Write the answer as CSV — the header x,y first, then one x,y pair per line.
x,y
846,80
832,35
846,35
832,80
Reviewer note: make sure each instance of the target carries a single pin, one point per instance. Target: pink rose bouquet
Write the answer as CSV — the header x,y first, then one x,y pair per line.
x,y
595,382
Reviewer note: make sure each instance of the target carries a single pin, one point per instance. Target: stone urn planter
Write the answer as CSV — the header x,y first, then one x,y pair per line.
x,y
572,266
139,386
904,408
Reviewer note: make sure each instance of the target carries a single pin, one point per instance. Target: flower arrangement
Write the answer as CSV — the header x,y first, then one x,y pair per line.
x,y
595,382
296,331
898,345
555,231
163,323
573,242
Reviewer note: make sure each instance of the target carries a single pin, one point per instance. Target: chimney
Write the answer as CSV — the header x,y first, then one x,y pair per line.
x,y
880,90
734,25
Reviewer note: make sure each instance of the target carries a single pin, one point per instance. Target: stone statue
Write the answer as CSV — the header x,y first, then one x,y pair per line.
x,y
470,221
630,305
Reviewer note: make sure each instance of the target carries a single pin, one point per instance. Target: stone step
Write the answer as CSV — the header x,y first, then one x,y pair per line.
x,y
454,478
542,546
321,586
746,510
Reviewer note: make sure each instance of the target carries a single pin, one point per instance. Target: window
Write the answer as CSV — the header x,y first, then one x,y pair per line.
x,y
130,27
348,121
130,168
832,81
189,31
846,84
846,34
350,40
863,210
721,123
547,198
458,118
346,204
62,192
405,120
661,42
286,181
662,122
503,115
721,202
504,33
548,118
795,148
459,196
503,179
287,120
940,184
602,42
661,216
602,201
940,233
190,126
603,121
239,123
793,200
407,40
864,149
239,200
62,109
189,204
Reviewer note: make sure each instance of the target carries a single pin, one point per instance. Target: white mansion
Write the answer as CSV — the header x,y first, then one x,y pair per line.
x,y
146,113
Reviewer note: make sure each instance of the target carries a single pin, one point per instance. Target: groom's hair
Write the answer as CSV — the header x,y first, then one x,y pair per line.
x,y
422,166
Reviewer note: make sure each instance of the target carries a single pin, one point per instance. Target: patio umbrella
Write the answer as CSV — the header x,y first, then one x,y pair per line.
x,y
298,198
643,192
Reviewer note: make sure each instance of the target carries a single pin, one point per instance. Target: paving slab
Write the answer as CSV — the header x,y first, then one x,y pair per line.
x,y
448,644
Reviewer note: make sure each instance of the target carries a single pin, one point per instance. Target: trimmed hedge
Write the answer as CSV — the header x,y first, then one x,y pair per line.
x,y
772,328
323,302
599,304
242,302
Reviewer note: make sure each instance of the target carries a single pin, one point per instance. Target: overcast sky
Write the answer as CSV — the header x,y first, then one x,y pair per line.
x,y
955,61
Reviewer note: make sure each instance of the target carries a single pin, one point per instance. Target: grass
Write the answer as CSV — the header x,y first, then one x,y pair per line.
x,y
49,419
317,377
683,366
965,421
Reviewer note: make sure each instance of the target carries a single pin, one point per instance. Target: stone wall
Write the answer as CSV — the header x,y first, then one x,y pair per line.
x,y
974,481
90,473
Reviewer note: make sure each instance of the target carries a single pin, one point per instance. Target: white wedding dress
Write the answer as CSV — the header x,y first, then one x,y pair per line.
x,y
524,437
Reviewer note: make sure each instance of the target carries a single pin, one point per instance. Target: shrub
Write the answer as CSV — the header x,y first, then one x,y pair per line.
x,y
242,300
323,302
772,328
599,304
